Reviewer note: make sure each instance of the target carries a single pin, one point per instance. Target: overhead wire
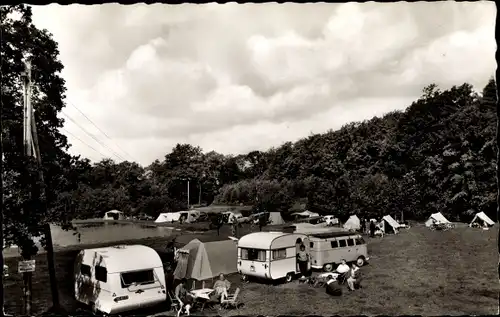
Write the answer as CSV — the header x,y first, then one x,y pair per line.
x,y
93,137
85,143
104,133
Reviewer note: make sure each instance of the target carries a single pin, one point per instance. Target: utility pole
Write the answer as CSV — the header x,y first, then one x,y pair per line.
x,y
188,193
32,148
199,195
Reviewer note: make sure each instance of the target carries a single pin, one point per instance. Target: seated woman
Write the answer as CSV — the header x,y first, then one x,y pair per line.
x,y
343,270
182,295
333,288
355,278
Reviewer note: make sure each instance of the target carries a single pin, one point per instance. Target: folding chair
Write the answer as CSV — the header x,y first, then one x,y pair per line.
x,y
231,300
174,303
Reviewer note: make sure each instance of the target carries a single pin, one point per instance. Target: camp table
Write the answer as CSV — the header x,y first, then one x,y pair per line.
x,y
203,294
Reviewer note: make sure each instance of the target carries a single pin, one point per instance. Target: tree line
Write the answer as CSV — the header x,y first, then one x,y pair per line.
x,y
436,156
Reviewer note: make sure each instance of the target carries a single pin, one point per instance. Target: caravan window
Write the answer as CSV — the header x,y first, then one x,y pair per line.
x,y
360,241
350,242
138,277
342,244
334,244
101,274
253,254
279,254
85,270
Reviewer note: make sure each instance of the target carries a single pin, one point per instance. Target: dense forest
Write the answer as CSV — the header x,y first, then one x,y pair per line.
x,y
438,155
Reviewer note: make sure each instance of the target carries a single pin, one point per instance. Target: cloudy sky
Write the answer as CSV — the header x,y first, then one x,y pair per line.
x,y
235,78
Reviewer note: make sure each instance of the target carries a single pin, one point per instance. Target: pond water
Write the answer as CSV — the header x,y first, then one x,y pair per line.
x,y
99,232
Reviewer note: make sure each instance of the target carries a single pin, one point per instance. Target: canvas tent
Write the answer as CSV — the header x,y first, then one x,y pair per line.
x,y
306,213
353,223
189,215
168,217
114,215
390,224
482,219
275,218
436,219
201,261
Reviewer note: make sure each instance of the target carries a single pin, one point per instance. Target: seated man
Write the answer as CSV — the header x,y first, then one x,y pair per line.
x,y
184,297
354,277
342,269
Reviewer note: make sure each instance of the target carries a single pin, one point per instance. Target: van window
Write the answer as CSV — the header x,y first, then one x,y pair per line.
x,y
334,244
138,277
253,254
350,242
279,254
342,243
85,270
311,244
101,274
360,241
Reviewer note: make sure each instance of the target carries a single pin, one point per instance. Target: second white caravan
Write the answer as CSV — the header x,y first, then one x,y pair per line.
x,y
270,255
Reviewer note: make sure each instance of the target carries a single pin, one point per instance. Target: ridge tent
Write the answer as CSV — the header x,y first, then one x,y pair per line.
x,y
201,261
482,219
390,225
436,219
168,217
353,223
275,218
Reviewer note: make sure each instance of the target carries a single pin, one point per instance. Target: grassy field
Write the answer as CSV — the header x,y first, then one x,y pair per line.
x,y
417,272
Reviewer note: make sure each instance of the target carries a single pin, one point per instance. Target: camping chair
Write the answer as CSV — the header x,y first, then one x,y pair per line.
x,y
174,303
231,300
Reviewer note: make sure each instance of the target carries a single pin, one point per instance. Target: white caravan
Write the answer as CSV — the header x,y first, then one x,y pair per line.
x,y
270,255
119,278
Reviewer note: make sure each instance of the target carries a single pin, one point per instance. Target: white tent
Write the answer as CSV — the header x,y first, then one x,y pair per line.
x,y
168,217
437,219
481,218
390,225
114,215
275,218
353,223
306,213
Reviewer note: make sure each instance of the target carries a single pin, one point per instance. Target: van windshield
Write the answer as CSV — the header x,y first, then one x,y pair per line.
x,y
253,254
137,278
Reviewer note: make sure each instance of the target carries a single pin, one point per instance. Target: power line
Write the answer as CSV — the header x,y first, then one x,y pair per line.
x,y
93,137
104,133
89,146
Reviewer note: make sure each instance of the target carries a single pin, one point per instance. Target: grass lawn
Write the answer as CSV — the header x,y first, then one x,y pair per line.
x,y
417,272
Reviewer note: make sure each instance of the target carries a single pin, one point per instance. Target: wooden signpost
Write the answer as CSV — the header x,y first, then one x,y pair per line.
x,y
26,266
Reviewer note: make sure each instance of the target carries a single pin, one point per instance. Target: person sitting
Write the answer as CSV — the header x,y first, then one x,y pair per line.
x,y
354,277
332,287
221,286
184,297
343,270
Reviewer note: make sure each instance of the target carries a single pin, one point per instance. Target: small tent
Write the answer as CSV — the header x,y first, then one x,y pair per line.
x,y
353,223
114,215
482,219
168,217
201,261
436,219
275,218
390,224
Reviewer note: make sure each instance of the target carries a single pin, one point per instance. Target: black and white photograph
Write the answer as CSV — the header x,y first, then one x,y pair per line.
x,y
253,159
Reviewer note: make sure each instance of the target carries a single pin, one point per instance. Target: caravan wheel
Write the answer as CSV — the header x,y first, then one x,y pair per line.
x,y
289,277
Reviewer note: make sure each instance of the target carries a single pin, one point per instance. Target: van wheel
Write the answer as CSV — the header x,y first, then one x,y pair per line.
x,y
289,277
328,267
360,261
244,278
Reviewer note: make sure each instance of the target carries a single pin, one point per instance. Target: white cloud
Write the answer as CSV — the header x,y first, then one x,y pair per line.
x,y
234,78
